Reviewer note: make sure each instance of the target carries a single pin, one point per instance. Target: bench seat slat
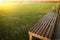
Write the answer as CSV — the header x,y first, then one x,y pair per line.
x,y
39,27
50,27
43,24
44,27
51,31
39,22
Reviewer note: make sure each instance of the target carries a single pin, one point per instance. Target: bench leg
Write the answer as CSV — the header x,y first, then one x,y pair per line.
x,y
30,37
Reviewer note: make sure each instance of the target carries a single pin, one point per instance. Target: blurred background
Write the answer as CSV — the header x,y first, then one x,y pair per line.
x,y
18,16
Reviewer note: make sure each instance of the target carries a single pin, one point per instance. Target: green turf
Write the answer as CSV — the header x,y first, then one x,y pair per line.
x,y
15,23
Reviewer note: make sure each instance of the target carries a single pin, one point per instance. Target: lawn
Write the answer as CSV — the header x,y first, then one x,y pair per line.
x,y
15,22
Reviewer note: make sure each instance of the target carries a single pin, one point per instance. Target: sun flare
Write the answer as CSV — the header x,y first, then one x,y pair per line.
x,y
1,1
7,4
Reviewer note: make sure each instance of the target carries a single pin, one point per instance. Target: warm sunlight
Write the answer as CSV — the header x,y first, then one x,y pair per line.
x,y
7,4
1,1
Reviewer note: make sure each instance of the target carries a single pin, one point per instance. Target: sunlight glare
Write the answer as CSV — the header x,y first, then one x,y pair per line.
x,y
1,1
7,4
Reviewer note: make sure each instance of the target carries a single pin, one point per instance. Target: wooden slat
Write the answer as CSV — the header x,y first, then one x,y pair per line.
x,y
51,25
49,13
39,22
35,27
51,31
44,28
44,23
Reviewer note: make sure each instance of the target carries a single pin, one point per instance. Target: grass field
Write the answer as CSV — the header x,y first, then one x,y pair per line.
x,y
15,22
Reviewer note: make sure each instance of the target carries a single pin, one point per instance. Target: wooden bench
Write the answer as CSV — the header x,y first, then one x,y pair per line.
x,y
44,28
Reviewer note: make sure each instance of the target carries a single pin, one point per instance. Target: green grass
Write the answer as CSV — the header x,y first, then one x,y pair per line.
x,y
15,23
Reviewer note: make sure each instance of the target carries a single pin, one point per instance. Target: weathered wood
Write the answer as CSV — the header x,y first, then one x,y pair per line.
x,y
46,27
43,29
39,22
51,31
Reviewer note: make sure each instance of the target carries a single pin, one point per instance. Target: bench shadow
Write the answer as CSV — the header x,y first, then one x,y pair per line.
x,y
34,38
56,29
